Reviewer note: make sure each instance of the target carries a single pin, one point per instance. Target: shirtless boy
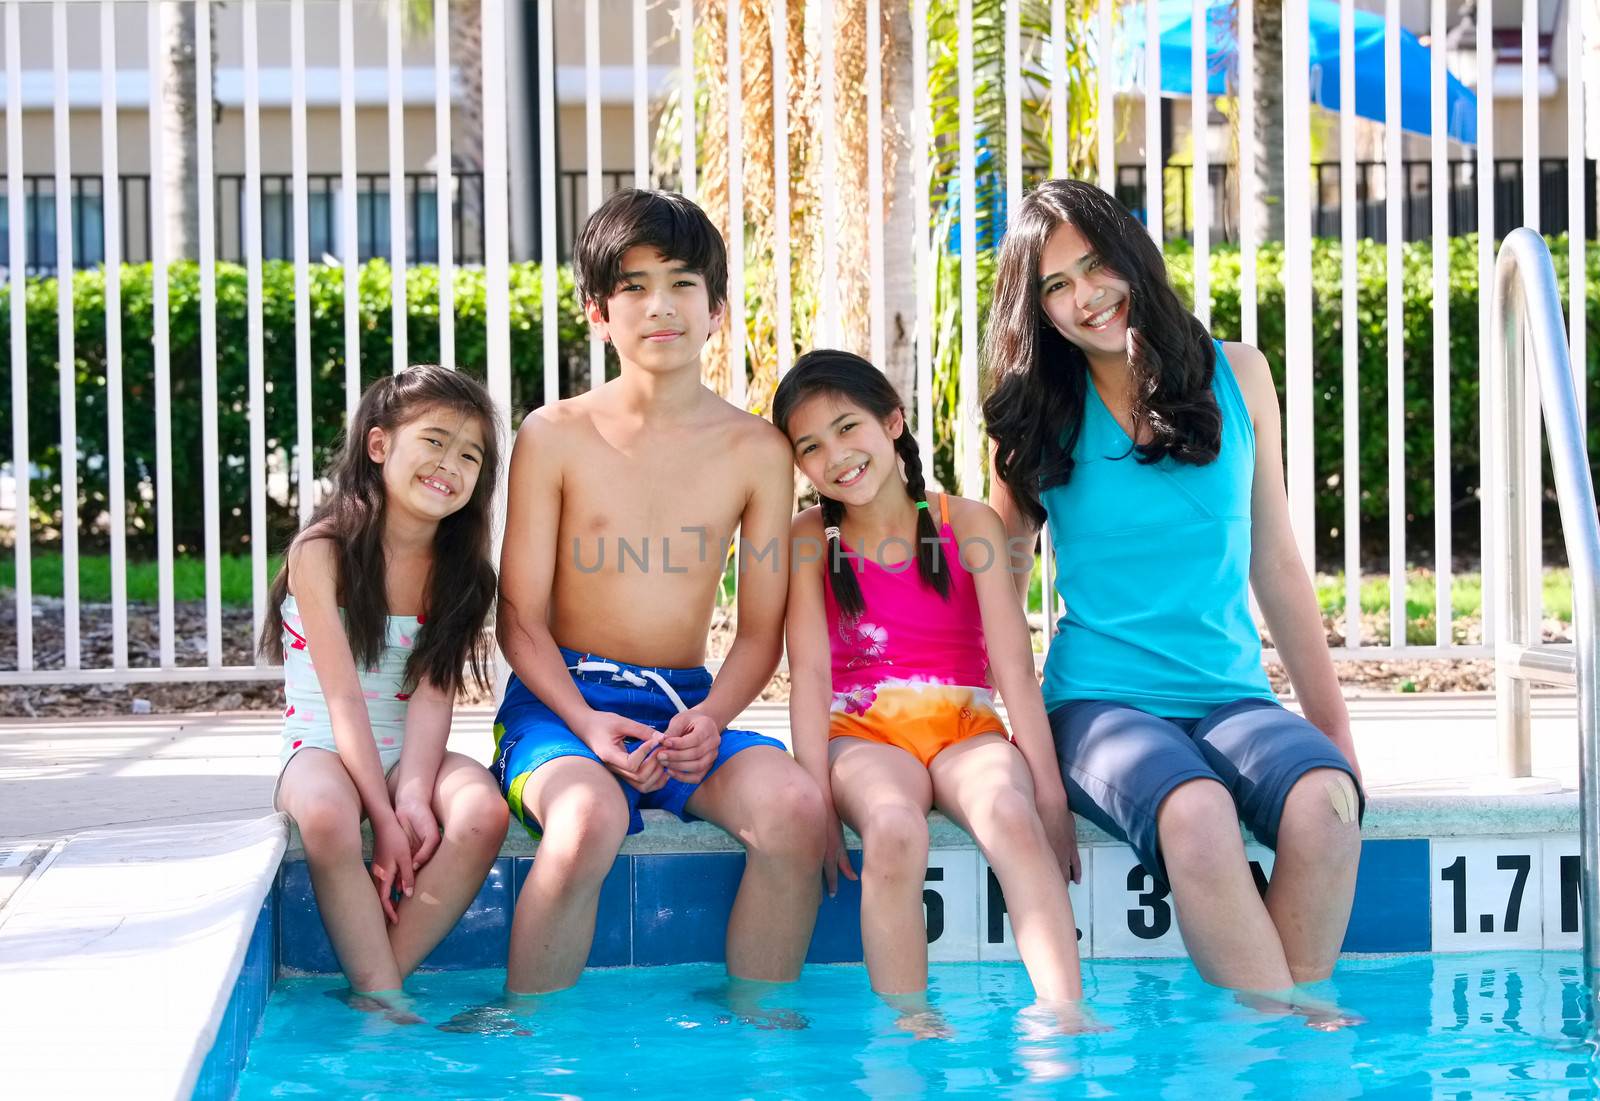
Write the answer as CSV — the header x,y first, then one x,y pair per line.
x,y
623,502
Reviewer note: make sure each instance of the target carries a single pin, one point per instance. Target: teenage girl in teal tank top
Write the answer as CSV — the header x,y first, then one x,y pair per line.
x,y
1154,454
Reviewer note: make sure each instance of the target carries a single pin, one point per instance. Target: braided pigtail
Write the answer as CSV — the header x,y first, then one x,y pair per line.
x,y
930,552
841,578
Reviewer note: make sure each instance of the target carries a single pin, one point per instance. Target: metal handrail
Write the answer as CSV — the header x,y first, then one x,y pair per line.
x,y
1527,312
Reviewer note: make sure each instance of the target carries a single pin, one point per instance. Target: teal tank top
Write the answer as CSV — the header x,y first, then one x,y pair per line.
x,y
1153,568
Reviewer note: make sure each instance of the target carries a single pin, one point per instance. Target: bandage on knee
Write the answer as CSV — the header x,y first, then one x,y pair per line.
x,y
1343,797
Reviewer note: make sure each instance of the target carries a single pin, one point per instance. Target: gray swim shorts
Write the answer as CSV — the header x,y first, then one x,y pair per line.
x,y
1120,763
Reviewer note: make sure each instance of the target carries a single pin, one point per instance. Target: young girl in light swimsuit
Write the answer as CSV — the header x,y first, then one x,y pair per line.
x,y
898,621
377,616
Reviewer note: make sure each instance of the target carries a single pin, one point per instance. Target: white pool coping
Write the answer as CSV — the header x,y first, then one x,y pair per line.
x,y
118,957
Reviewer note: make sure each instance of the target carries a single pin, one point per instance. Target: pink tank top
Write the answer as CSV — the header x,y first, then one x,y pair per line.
x,y
908,631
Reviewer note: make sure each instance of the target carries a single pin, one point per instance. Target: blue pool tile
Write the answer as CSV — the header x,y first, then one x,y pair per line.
x,y
482,935
302,941
680,906
838,935
613,927
1391,904
219,1075
479,939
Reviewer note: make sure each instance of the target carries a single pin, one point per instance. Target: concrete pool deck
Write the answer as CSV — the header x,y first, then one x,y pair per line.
x,y
135,855
64,776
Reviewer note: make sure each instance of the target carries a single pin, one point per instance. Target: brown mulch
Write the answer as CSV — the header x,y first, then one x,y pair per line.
x,y
173,697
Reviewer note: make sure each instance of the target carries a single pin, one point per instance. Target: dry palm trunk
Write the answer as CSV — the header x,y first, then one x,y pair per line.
x,y
179,175
466,116
1268,61
754,157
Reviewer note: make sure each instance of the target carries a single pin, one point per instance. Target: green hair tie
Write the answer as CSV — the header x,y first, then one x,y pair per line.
x,y
922,504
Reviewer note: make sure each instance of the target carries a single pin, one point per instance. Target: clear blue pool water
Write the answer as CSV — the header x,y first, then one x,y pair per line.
x,y
1503,1024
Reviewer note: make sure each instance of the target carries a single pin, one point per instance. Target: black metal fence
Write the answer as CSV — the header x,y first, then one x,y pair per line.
x,y
572,200
324,218
1371,208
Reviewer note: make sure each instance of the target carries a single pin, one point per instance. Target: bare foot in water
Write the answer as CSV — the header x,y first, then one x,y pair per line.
x,y
1320,1014
742,999
492,1018
1044,1018
393,1005
919,1017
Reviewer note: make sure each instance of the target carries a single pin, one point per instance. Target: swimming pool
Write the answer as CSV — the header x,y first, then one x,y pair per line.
x,y
1444,876
1503,1024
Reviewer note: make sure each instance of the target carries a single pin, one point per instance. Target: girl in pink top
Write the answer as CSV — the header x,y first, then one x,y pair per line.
x,y
897,625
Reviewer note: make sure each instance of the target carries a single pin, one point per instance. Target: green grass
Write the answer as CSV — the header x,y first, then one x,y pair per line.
x,y
94,586
94,577
1466,594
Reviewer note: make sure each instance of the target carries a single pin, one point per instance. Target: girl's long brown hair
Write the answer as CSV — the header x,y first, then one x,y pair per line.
x,y
461,584
1036,381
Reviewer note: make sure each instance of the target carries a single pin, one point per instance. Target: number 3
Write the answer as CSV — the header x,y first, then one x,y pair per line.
x,y
1152,898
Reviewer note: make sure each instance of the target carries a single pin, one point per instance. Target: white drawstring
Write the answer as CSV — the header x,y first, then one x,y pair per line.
x,y
629,676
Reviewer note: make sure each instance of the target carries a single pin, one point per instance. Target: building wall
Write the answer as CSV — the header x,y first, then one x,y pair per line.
x,y
322,141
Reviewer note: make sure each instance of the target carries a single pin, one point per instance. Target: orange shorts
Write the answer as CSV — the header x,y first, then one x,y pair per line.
x,y
921,718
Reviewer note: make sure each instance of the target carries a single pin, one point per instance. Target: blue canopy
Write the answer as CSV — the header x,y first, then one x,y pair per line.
x,y
1222,50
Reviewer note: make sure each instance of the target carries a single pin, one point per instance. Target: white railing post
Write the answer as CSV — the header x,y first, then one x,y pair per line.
x,y
17,279
969,448
399,312
1155,212
111,199
161,351
444,184
209,464
738,330
255,343
549,259
591,157
1394,321
1199,133
349,233
1439,83
66,352
1298,349
1348,290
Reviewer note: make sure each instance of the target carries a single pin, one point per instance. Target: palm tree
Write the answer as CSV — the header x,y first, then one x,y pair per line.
x,y
179,174
1036,69
1268,62
466,116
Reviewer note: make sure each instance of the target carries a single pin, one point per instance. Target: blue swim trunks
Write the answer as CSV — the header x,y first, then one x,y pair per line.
x,y
527,734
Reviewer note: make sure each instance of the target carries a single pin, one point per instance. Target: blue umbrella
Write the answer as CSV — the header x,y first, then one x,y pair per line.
x,y
1222,50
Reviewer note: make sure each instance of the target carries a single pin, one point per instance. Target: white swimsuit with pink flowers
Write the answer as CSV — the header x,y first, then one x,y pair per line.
x,y
305,718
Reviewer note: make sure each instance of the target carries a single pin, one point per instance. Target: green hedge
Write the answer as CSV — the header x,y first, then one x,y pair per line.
x,y
278,330
1372,343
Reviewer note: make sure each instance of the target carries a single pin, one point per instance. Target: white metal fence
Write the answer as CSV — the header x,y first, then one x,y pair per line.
x,y
500,31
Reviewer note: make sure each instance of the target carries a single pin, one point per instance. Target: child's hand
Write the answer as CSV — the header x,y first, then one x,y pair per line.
x,y
421,830
391,864
608,734
1062,831
835,859
689,747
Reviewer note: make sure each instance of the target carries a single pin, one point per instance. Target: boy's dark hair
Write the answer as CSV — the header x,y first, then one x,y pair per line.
x,y
663,220
848,376
451,646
